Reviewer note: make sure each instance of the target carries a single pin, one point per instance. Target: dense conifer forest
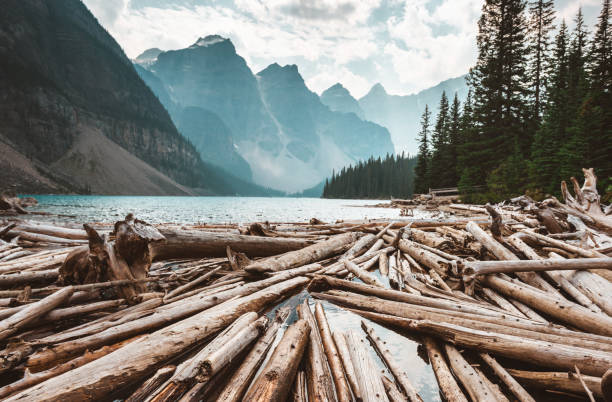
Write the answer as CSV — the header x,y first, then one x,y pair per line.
x,y
539,107
375,178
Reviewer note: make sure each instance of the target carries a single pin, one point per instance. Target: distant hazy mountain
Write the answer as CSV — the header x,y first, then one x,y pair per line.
x,y
339,99
402,114
290,139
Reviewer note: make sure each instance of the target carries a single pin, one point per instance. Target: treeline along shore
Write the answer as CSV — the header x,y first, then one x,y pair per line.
x,y
508,302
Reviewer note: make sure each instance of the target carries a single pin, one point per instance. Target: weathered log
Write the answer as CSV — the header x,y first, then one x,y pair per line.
x,y
393,392
276,378
299,387
192,284
134,360
559,381
32,312
31,379
27,277
477,389
383,264
241,379
495,389
318,377
52,230
491,267
159,318
497,249
562,310
362,274
400,376
606,385
425,257
306,255
195,367
448,386
360,246
517,390
347,363
201,244
587,199
430,239
370,383
335,364
133,240
404,319
544,354
144,391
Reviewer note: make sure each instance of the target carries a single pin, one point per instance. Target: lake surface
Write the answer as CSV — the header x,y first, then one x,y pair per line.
x,y
93,208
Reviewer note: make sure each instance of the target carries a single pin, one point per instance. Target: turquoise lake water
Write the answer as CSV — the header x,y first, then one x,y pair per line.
x,y
91,208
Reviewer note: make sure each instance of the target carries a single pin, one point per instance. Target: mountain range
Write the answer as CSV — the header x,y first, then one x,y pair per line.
x,y
400,114
268,127
76,115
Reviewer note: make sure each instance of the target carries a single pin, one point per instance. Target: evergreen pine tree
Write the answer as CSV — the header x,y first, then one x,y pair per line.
x,y
542,15
422,170
573,150
451,177
549,138
499,84
440,140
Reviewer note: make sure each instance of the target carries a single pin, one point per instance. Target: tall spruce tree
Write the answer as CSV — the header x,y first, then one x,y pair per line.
x,y
573,150
542,15
439,164
422,169
553,132
500,88
451,177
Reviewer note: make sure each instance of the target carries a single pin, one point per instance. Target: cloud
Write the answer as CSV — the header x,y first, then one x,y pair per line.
x,y
318,10
408,44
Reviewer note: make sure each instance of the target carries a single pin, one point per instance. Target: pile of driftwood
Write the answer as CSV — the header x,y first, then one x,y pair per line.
x,y
509,302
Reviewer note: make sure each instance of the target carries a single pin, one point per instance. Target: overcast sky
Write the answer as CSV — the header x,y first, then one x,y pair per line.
x,y
405,45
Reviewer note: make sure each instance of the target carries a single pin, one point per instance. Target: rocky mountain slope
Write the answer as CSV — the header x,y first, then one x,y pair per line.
x,y
290,139
402,114
339,99
75,116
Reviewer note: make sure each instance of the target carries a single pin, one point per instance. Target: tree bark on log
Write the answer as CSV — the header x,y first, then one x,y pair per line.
x,y
306,255
342,388
318,377
563,310
393,392
362,274
161,317
447,383
130,363
148,387
517,389
400,376
593,362
241,379
560,381
347,363
497,249
370,383
32,312
403,316
477,389
201,244
276,379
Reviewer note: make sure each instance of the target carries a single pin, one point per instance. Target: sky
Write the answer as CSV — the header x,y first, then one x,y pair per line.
x,y
407,45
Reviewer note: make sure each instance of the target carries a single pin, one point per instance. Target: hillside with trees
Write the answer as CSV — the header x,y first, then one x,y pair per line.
x,y
539,107
374,178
